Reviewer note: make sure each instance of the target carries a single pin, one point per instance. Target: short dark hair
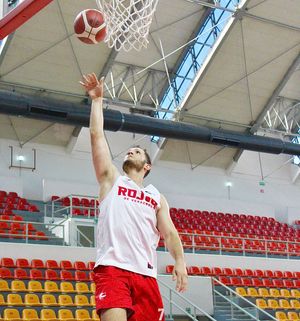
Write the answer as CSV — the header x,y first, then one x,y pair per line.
x,y
148,159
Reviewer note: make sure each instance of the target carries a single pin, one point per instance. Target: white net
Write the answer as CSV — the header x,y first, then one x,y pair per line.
x,y
127,22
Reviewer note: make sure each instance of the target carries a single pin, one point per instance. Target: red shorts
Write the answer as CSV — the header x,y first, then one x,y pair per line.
x,y
138,294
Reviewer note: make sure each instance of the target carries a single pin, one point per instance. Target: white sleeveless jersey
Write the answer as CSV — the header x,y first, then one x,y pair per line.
x,y
127,236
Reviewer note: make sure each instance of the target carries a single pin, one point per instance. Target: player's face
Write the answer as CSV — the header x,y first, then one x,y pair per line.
x,y
134,159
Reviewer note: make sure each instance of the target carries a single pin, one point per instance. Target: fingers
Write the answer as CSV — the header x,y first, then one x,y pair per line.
x,y
174,277
181,284
90,79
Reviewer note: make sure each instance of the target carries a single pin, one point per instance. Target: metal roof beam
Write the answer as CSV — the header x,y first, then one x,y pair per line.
x,y
275,94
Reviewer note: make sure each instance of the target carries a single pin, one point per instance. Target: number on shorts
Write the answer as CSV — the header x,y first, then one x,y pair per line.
x,y
161,311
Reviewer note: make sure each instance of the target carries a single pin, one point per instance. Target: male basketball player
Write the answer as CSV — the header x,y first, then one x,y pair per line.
x,y
131,218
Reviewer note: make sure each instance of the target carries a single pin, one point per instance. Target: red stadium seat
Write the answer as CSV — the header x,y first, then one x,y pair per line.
x,y
225,280
288,283
267,283
33,208
278,274
268,274
238,272
235,281
51,275
18,218
4,226
22,263
36,274
38,264
194,270
81,276
296,283
66,201
228,272
91,265
248,272
79,265
94,203
5,273
16,226
257,282
75,201
169,269
20,274
66,275
278,283
85,202
16,234
66,265
7,262
258,273
52,264
92,276
246,281
39,235
76,211
216,271
12,194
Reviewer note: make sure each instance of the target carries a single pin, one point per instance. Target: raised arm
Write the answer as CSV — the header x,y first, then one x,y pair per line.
x,y
173,243
106,172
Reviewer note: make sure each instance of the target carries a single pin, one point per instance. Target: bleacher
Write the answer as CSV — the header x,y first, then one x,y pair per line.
x,y
75,206
269,290
49,290
227,233
23,221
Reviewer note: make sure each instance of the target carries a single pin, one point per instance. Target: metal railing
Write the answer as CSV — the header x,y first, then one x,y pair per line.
x,y
26,235
80,234
221,245
57,210
238,303
192,311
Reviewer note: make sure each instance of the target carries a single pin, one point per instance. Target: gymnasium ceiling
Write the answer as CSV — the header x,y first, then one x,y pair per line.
x,y
253,63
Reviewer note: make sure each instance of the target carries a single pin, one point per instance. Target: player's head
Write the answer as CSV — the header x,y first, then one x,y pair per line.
x,y
137,159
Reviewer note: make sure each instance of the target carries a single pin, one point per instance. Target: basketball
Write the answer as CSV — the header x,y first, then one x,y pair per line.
x,y
89,26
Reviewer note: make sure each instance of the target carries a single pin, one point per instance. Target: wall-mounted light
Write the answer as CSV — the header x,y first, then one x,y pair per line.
x,y
20,158
228,185
20,161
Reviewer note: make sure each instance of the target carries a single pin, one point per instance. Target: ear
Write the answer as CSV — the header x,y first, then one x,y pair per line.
x,y
147,167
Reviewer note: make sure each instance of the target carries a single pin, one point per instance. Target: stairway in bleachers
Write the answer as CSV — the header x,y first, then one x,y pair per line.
x,y
19,216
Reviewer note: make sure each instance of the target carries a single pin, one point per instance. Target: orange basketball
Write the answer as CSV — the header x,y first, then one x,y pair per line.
x,y
89,26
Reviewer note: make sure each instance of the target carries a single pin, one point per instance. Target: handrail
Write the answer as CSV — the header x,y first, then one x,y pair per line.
x,y
30,222
25,235
186,300
237,306
220,247
84,236
240,296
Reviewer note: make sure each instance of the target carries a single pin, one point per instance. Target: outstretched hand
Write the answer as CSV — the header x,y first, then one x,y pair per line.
x,y
93,86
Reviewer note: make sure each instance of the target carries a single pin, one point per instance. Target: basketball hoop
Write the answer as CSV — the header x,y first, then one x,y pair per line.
x,y
127,22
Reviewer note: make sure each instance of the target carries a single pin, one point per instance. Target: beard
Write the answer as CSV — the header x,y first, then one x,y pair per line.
x,y
129,165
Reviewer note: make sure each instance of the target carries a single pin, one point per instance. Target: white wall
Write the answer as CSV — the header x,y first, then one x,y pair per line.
x,y
63,188
44,252
11,184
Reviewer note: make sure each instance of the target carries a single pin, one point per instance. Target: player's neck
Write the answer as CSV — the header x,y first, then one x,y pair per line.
x,y
137,177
